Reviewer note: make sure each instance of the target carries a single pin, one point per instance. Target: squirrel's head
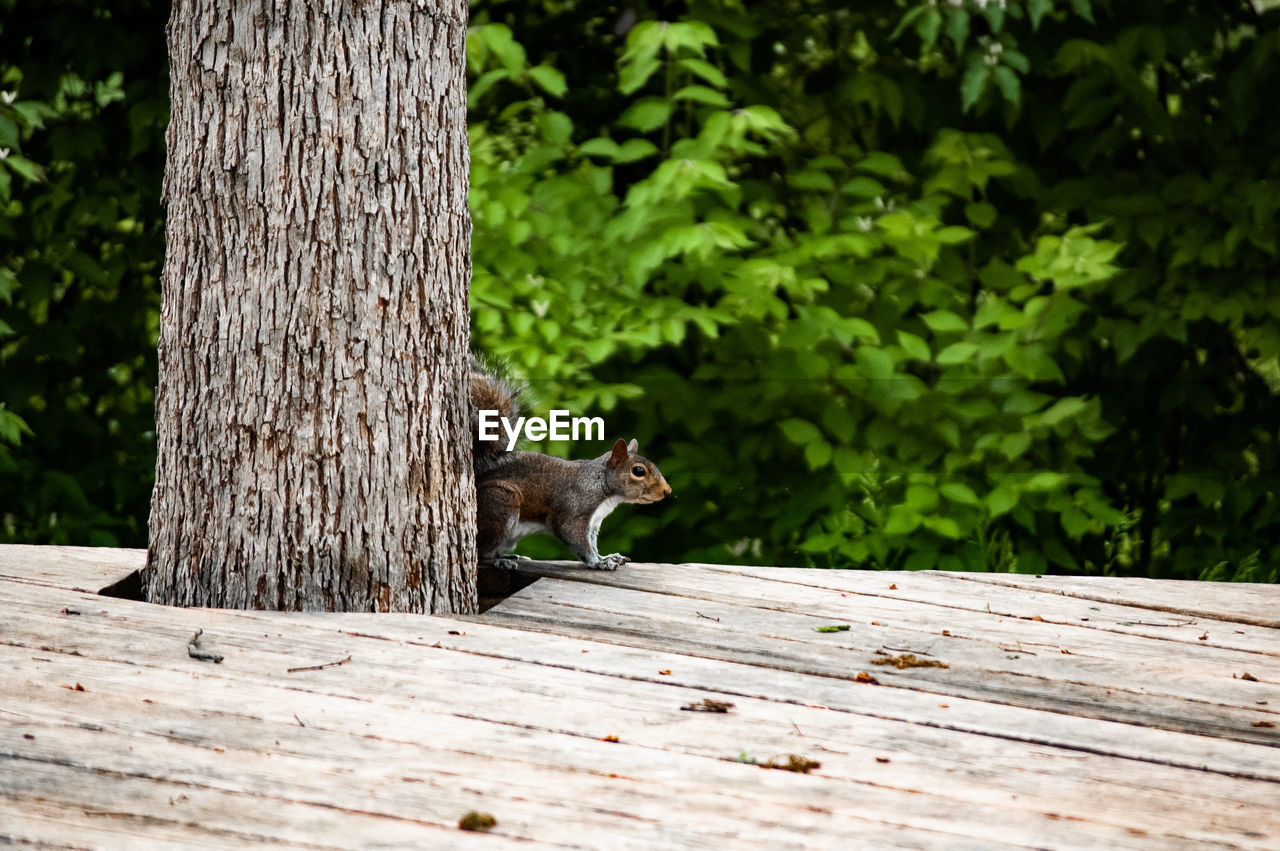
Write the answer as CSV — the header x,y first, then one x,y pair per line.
x,y
637,478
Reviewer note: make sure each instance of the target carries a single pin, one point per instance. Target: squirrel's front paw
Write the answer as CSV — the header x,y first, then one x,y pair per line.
x,y
609,562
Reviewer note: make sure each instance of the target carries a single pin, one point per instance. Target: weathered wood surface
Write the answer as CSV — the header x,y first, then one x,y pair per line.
x,y
1141,735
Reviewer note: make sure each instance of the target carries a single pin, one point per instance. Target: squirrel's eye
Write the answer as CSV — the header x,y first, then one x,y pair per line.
x,y
638,471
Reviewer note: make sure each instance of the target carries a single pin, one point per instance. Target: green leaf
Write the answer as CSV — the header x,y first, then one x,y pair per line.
x,y
876,364
633,75
600,147
959,492
1001,500
813,180
958,27
1044,481
503,44
864,187
957,353
8,283
1008,84
922,498
1014,445
1033,362
944,321
914,346
1061,410
550,79
928,27
1075,522
883,164
24,167
837,627
954,235
980,213
1000,276
694,35
901,521
12,427
701,94
646,114
635,149
973,84
9,134
800,432
1083,8
1036,10
862,330
994,12
704,69
817,454
556,127
944,526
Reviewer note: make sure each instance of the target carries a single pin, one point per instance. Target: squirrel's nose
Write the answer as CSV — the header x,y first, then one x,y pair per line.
x,y
666,488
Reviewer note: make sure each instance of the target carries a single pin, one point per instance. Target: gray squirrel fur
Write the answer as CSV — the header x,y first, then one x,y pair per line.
x,y
523,493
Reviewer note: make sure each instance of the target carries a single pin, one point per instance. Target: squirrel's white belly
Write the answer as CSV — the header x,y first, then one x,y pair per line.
x,y
523,529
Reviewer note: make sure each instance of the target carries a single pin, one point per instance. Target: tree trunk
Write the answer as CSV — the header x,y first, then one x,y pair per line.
x,y
313,438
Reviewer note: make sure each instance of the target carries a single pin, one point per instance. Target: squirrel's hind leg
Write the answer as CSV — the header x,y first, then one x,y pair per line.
x,y
497,518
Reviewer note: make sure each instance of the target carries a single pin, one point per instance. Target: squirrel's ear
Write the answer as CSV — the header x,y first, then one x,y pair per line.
x,y
633,446
619,454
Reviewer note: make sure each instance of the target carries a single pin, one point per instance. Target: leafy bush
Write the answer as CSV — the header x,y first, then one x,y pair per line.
x,y
960,285
83,106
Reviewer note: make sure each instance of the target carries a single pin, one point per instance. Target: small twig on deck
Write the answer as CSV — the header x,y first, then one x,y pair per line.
x,y
904,650
299,720
320,667
194,651
708,617
1148,623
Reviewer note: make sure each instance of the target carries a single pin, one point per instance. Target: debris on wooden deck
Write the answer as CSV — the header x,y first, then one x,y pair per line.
x,y
666,706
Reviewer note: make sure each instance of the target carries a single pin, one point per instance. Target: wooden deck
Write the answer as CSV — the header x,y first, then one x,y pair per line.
x,y
1072,713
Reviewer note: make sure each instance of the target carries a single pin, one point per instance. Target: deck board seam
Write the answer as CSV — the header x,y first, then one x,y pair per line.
x,y
1223,617
1199,614
808,641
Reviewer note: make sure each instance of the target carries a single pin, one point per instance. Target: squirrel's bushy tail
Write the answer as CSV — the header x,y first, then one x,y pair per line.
x,y
492,389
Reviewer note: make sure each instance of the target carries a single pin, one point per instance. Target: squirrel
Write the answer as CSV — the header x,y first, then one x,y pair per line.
x,y
525,493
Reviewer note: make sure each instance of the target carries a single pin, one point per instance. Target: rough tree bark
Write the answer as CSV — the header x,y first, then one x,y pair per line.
x,y
313,437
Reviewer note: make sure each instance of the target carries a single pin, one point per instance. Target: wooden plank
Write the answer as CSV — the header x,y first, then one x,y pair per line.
x,y
1238,602
1193,701
947,590
1037,628
90,568
1232,602
572,702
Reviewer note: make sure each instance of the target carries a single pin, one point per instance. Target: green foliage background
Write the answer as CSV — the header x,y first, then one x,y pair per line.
x,y
965,284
